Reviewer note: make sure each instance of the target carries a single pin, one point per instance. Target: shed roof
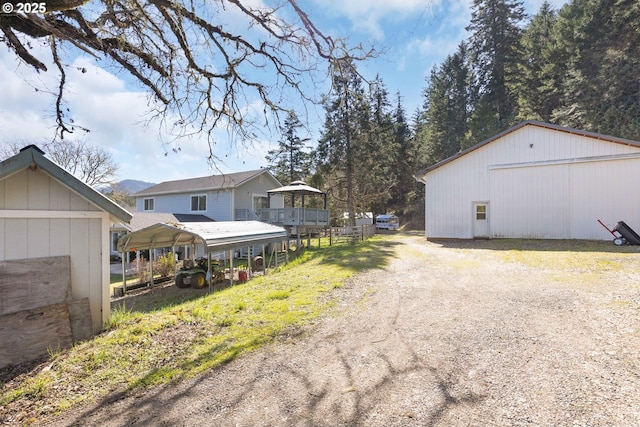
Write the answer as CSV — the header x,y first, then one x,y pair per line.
x,y
204,183
216,236
33,157
558,128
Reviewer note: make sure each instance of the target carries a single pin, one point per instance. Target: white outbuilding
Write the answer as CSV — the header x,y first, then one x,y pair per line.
x,y
534,180
54,257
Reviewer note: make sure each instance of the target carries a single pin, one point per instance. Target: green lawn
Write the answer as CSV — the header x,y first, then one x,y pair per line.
x,y
180,339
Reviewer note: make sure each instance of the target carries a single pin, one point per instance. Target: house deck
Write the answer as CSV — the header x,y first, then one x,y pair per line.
x,y
287,216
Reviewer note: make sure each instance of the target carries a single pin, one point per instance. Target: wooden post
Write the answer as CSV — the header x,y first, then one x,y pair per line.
x,y
275,250
248,262
209,270
175,263
286,251
151,266
230,267
124,274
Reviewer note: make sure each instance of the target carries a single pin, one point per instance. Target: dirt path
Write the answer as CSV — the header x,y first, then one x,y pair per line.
x,y
442,337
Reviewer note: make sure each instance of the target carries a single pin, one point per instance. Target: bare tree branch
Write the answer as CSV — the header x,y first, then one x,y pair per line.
x,y
194,57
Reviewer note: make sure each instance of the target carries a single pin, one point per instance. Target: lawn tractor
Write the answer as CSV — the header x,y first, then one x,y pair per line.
x,y
194,274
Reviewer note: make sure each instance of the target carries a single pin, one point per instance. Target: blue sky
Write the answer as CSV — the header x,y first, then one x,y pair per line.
x,y
415,34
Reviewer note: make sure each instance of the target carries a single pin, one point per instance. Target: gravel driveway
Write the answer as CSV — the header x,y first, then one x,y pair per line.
x,y
447,334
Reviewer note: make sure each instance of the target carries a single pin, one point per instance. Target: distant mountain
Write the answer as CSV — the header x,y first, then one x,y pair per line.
x,y
132,186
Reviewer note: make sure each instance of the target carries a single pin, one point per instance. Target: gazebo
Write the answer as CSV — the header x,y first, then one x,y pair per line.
x,y
299,188
297,220
296,217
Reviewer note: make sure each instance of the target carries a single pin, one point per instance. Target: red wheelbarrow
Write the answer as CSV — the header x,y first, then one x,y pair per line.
x,y
622,234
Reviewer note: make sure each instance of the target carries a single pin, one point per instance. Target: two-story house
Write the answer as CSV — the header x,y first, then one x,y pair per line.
x,y
227,197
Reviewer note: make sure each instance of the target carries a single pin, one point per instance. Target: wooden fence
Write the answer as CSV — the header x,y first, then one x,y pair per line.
x,y
350,233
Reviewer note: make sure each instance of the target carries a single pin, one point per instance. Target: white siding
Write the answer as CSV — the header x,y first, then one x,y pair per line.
x,y
221,204
608,191
259,186
46,233
218,204
540,183
530,202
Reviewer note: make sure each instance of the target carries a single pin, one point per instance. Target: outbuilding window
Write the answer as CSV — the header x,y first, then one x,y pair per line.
x,y
481,212
199,203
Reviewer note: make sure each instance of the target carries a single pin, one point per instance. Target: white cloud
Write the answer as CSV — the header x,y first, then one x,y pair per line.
x,y
117,118
366,16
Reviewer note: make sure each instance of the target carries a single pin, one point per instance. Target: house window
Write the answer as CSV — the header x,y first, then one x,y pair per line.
x,y
199,203
481,212
149,204
115,236
260,202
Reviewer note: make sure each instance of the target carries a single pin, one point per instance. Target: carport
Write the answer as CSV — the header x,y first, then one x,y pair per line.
x,y
216,236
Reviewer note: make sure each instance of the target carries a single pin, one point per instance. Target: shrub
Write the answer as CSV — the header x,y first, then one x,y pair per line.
x,y
140,268
164,265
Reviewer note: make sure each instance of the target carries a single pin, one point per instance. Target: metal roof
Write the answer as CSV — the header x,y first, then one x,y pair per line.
x,y
216,236
33,158
205,183
297,187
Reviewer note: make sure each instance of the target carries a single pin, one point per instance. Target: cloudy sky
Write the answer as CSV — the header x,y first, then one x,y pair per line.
x,y
415,34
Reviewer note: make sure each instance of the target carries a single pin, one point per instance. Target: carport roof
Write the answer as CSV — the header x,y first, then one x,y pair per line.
x,y
216,236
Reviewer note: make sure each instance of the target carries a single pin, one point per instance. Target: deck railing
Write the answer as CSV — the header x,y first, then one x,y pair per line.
x,y
246,215
295,216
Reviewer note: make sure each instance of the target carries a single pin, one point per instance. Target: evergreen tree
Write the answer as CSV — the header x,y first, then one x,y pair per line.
x,y
290,162
378,174
600,40
495,46
344,130
405,160
448,101
538,83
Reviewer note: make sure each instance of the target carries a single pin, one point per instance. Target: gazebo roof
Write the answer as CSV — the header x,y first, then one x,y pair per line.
x,y
297,187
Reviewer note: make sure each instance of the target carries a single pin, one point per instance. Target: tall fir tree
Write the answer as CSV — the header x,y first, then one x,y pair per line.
x,y
290,161
378,174
538,82
495,47
601,43
338,151
404,161
449,98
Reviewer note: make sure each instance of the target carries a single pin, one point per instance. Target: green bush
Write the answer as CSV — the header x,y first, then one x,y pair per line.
x,y
140,268
164,265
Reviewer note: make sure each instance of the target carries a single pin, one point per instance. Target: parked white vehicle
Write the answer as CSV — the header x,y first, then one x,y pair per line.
x,y
387,222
